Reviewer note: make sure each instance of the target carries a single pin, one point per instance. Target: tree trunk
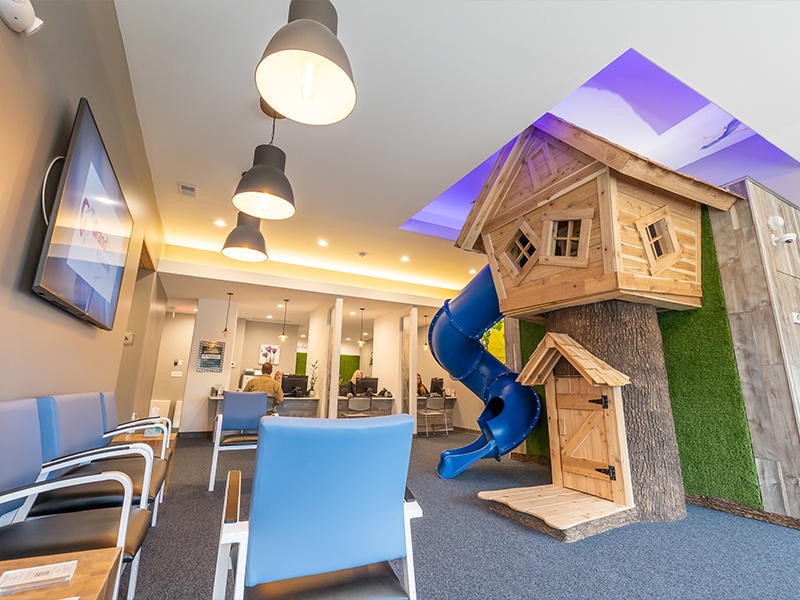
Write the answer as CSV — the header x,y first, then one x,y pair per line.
x,y
627,337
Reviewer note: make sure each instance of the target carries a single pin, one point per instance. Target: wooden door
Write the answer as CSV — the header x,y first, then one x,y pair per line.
x,y
588,448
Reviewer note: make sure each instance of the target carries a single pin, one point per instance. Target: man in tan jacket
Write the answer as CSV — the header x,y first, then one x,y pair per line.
x,y
265,383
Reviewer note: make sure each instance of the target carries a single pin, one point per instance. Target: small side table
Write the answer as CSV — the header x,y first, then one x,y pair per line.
x,y
93,579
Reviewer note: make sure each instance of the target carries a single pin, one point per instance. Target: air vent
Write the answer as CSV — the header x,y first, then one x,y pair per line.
x,y
187,189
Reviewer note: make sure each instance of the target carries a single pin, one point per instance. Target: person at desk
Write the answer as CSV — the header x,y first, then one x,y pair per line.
x,y
350,386
265,383
421,389
279,378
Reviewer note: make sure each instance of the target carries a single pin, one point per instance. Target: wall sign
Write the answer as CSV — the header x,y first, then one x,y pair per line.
x,y
210,357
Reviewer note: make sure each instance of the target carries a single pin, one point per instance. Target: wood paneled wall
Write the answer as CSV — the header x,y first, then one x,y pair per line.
x,y
762,289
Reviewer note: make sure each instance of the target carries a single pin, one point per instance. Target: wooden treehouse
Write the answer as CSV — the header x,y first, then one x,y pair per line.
x,y
591,490
567,218
593,240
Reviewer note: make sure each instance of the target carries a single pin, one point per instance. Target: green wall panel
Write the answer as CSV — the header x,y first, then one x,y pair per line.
x,y
707,402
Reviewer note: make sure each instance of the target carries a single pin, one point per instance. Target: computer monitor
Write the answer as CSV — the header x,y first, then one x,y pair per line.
x,y
366,386
295,383
437,386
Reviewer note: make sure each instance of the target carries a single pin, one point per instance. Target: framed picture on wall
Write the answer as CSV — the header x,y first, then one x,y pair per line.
x,y
269,353
210,356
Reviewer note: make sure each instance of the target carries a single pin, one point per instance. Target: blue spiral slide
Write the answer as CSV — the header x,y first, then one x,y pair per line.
x,y
512,409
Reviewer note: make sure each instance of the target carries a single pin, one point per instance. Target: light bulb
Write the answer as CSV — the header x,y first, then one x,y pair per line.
x,y
360,343
283,337
309,84
425,347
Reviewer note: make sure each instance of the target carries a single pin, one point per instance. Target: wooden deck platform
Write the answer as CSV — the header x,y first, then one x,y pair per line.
x,y
565,514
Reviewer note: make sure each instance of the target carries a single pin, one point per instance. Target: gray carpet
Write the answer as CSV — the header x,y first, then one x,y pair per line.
x,y
464,551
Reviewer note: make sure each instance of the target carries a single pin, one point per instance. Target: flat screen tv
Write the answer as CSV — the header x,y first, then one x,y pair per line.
x,y
89,231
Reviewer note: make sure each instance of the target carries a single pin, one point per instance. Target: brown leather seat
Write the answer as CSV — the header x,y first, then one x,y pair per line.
x,y
234,439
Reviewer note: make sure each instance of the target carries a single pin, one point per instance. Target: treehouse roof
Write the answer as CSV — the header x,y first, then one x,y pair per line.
x,y
600,149
553,347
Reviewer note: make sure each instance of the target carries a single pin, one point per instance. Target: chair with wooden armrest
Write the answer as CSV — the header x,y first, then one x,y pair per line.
x,y
124,526
341,521
235,428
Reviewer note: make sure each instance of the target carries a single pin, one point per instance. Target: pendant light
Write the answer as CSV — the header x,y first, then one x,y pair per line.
x,y
225,331
245,242
361,331
304,72
283,337
425,345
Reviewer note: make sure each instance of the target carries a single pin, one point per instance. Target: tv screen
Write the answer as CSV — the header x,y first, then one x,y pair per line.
x,y
83,258
437,386
295,383
366,386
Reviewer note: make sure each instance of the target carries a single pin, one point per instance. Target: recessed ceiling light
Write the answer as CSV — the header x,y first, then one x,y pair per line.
x,y
220,223
365,333
323,243
302,335
280,305
352,313
472,271
269,316
347,339
195,310
404,258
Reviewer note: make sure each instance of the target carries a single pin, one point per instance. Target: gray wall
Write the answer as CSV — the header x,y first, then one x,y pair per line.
x,y
77,53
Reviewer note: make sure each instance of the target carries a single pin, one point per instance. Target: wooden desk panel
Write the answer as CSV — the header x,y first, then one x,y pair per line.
x,y
93,579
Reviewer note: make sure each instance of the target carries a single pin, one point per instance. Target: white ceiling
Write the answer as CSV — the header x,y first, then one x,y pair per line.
x,y
442,84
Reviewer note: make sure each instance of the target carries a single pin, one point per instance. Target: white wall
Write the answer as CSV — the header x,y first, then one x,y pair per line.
x,y
198,411
176,342
78,53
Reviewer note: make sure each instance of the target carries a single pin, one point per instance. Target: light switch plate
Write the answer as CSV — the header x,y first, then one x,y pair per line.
x,y
128,339
796,317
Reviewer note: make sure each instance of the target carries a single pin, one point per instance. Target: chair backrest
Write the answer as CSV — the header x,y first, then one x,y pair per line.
x,y
434,403
70,423
339,486
359,403
110,415
243,410
20,446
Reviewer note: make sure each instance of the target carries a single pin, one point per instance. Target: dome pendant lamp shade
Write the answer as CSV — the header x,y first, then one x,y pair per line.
x,y
245,242
304,73
264,191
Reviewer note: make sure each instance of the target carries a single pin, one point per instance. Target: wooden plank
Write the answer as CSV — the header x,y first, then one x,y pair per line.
x,y
552,428
588,143
503,172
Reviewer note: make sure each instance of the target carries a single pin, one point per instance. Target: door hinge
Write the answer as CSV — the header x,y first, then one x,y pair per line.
x,y
602,401
610,471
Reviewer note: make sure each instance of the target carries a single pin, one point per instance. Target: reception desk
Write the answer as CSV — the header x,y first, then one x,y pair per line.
x,y
380,406
290,407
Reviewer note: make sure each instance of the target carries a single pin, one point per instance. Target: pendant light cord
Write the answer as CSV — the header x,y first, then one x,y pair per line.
x,y
273,131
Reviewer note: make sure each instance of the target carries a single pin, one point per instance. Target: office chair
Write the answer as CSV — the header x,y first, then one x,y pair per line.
x,y
236,427
358,406
434,407
343,512
124,526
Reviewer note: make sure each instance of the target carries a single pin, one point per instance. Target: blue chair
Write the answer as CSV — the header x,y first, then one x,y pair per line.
x,y
339,485
235,428
72,424
21,481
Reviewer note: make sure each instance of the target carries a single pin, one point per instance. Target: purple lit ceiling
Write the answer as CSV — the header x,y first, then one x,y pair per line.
x,y
638,105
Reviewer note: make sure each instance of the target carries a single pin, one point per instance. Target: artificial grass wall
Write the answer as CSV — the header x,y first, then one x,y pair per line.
x,y
706,395
347,365
707,403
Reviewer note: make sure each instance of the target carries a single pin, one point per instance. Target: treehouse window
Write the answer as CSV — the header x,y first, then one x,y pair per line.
x,y
566,238
521,249
541,165
659,240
